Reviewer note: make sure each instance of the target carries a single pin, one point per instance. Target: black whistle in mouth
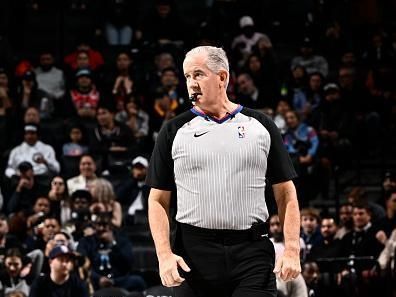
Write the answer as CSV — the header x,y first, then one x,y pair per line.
x,y
193,97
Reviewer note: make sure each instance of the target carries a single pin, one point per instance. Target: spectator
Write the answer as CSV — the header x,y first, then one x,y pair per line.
x,y
94,57
13,278
312,63
133,195
76,146
30,95
110,141
310,231
243,43
282,108
138,121
7,240
250,95
26,192
111,256
118,21
388,223
32,150
60,281
41,235
59,199
49,78
87,175
41,209
104,201
84,98
346,220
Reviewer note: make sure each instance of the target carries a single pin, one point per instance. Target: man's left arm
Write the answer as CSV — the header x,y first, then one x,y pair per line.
x,y
288,266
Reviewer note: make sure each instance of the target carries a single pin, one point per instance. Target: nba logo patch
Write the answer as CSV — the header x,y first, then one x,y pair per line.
x,y
241,132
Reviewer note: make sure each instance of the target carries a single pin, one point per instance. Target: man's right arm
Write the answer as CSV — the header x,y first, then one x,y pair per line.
x,y
159,201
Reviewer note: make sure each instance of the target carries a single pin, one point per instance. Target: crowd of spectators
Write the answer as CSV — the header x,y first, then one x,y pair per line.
x,y
77,132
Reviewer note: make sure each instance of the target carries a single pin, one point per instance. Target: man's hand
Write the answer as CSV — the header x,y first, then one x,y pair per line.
x,y
169,274
288,266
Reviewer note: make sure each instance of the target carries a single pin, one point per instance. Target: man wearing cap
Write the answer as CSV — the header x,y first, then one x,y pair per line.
x,y
312,63
60,281
243,43
84,98
39,154
133,194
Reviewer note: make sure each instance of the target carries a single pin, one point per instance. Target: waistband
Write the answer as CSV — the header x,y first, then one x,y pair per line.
x,y
256,232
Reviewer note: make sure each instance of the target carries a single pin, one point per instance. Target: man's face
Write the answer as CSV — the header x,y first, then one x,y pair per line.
x,y
32,116
346,78
31,137
139,172
310,273
201,80
309,224
104,117
46,61
80,204
315,81
245,85
61,265
51,226
361,217
169,79
13,265
84,82
254,64
345,214
328,228
87,167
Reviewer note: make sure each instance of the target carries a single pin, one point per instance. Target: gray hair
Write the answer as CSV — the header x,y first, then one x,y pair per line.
x,y
216,59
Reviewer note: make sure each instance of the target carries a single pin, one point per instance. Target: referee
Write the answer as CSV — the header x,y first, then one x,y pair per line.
x,y
218,157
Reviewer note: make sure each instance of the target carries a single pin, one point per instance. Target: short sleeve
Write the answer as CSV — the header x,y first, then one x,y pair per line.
x,y
160,173
279,165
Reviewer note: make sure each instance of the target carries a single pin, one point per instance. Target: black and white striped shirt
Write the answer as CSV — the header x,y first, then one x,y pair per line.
x,y
219,167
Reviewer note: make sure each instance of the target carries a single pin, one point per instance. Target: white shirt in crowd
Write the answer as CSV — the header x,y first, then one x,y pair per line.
x,y
29,153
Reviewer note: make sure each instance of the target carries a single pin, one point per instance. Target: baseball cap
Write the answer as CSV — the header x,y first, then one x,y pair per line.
x,y
83,72
28,75
59,251
25,166
30,128
140,160
246,21
331,87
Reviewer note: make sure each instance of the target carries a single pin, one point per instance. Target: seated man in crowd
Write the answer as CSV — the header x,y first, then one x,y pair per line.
x,y
40,155
60,281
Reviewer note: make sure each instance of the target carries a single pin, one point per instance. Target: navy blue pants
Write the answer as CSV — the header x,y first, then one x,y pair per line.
x,y
225,264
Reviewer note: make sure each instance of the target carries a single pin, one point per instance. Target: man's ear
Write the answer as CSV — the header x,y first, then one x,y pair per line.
x,y
223,76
